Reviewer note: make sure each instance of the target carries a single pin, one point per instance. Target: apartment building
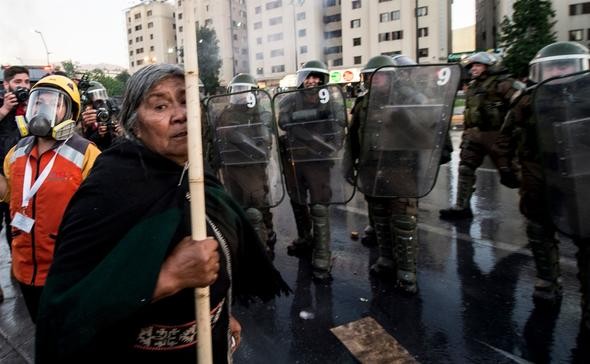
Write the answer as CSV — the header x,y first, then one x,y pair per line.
x,y
373,27
229,20
150,34
572,21
284,34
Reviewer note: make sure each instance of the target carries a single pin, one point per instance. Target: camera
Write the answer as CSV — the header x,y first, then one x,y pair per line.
x,y
22,94
103,113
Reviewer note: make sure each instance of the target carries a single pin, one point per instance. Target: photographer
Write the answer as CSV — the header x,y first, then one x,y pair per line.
x,y
98,119
16,85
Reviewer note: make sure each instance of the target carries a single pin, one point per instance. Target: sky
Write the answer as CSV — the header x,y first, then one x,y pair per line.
x,y
91,32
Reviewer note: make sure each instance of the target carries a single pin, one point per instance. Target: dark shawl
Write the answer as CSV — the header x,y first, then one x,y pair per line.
x,y
115,234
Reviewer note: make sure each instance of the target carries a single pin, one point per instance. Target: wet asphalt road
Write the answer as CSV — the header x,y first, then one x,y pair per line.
x,y
474,302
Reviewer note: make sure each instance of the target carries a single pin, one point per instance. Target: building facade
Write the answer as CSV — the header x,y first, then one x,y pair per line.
x,y
572,21
150,34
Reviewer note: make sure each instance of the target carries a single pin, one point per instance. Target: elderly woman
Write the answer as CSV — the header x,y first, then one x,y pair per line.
x,y
121,285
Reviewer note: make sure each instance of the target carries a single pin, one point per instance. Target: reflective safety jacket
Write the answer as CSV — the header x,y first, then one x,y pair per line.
x,y
32,252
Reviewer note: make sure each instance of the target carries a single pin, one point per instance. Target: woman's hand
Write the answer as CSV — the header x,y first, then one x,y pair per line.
x,y
191,264
235,330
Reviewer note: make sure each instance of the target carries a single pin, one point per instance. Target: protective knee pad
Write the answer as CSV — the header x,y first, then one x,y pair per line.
x,y
254,215
319,210
404,222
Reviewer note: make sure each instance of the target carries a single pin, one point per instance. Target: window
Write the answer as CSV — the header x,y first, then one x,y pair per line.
x,y
151,36
384,17
397,35
257,10
277,53
132,63
275,20
329,3
576,35
337,62
301,33
333,50
180,29
137,16
179,16
152,48
356,4
139,62
274,4
279,68
333,34
356,41
244,51
259,40
392,53
130,41
259,70
423,52
358,60
422,11
128,30
150,25
394,15
581,8
139,50
258,25
301,16
382,1
259,56
303,49
129,20
384,37
139,39
235,37
355,23
130,53
332,18
422,32
149,13
275,37
138,27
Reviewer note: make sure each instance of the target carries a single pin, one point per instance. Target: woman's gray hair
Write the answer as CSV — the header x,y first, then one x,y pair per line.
x,y
139,85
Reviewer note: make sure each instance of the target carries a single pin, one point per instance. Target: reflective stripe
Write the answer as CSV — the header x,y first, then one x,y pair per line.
x,y
72,155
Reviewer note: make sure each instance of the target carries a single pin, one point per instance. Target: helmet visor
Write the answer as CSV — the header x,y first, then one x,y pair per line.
x,y
306,73
97,94
549,68
239,87
51,104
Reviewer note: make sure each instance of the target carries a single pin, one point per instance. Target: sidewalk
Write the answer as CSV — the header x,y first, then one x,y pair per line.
x,y
17,332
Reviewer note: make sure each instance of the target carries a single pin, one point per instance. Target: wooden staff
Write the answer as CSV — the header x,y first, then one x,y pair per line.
x,y
195,173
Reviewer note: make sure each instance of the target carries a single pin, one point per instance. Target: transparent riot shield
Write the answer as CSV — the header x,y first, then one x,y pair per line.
x,y
312,127
408,117
562,112
245,147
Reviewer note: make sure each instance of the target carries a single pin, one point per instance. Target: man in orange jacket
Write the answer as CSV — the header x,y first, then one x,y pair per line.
x,y
42,173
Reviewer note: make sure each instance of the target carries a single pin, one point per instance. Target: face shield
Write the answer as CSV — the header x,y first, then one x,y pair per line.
x,y
307,77
548,67
241,97
46,110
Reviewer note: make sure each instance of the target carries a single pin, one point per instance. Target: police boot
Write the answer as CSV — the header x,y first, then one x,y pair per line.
x,y
462,208
546,255
583,257
321,258
406,252
385,264
301,245
255,218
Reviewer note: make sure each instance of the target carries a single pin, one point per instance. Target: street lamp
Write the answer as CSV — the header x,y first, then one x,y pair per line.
x,y
44,44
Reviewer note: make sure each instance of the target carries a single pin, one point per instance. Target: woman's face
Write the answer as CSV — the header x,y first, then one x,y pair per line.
x,y
161,123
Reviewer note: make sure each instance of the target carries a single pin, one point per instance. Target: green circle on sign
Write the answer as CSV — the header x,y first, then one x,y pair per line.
x,y
335,76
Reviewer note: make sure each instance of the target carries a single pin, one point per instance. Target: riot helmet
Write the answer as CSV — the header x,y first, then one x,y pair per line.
x,y
53,108
96,91
313,68
484,58
559,59
373,64
242,82
402,60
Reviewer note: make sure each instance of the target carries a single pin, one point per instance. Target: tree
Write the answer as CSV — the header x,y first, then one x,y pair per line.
x,y
529,30
69,68
114,86
209,61
123,76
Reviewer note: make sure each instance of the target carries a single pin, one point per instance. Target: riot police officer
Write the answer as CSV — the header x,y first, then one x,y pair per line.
x,y
243,140
393,220
556,59
486,102
301,116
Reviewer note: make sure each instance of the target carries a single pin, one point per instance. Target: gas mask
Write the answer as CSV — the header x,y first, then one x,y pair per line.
x,y
49,114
